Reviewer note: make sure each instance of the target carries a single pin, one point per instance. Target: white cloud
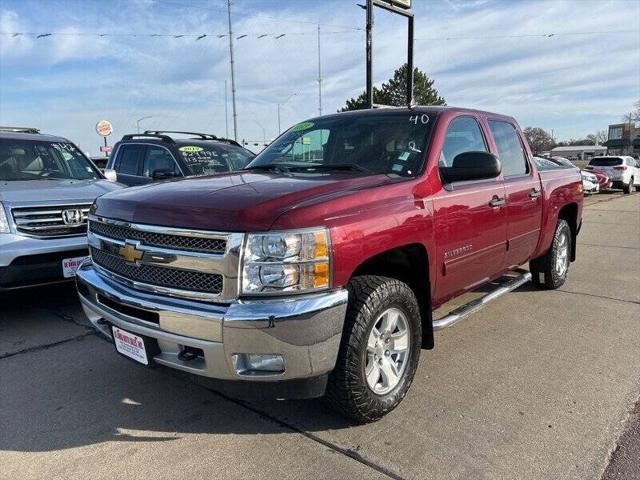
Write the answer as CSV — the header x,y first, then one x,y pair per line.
x,y
574,84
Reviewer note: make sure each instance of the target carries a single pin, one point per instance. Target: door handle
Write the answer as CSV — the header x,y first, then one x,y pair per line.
x,y
497,201
534,193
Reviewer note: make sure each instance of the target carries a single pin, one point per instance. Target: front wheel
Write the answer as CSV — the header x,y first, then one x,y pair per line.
x,y
554,265
379,350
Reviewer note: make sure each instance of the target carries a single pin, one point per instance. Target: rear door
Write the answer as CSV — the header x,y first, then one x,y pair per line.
x,y
470,218
523,193
128,163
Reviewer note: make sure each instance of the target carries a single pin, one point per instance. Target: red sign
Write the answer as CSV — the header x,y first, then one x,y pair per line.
x,y
106,149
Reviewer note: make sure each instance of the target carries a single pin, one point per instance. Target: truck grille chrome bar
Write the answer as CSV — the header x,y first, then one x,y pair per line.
x,y
53,221
191,264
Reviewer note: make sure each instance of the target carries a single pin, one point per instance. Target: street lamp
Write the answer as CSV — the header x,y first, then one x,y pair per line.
x,y
139,120
264,132
281,104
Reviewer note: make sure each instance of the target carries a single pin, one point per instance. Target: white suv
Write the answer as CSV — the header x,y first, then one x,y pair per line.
x,y
623,171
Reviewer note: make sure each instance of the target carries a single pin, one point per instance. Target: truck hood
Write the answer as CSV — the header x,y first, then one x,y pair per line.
x,y
53,192
240,201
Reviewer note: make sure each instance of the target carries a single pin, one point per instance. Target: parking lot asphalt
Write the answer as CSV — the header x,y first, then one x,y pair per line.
x,y
539,384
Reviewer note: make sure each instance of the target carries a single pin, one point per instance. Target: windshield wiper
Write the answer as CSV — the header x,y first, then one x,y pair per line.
x,y
328,167
270,167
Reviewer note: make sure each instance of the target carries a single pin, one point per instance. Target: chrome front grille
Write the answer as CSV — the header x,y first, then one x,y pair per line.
x,y
192,264
178,242
51,221
161,276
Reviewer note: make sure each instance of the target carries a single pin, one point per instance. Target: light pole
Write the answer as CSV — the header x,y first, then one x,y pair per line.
x,y
139,120
264,132
281,104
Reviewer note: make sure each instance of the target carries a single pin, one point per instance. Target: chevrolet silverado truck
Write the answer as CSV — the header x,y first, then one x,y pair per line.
x,y
319,265
46,188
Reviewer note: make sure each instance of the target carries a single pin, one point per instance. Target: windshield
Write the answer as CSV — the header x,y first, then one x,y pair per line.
x,y
203,159
38,160
605,162
388,143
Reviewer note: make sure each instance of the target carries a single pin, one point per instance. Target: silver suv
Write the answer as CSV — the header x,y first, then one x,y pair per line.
x,y
47,186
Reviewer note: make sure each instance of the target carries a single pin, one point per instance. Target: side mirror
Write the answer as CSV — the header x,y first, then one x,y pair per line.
x,y
163,174
110,175
472,166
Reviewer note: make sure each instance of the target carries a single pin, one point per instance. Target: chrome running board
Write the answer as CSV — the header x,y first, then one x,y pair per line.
x,y
465,310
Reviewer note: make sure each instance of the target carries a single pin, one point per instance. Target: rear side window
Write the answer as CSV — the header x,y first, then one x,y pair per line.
x,y
463,135
605,161
158,158
510,151
129,160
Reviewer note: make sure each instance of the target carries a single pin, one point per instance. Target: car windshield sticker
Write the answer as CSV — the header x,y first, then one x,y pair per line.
x,y
201,156
190,149
65,146
302,126
404,156
396,167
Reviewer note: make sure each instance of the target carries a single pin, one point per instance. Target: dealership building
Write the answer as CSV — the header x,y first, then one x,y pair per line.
x,y
623,139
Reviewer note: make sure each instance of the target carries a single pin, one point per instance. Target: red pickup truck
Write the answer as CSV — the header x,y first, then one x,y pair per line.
x,y
319,265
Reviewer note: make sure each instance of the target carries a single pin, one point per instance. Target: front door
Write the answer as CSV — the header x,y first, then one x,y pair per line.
x,y
470,219
524,194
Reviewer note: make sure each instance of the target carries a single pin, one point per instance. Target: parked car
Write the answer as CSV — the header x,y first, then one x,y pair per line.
x,y
622,171
318,266
159,155
100,162
603,181
590,183
46,188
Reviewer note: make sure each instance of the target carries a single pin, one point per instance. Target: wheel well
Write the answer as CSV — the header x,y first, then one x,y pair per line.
x,y
570,213
410,265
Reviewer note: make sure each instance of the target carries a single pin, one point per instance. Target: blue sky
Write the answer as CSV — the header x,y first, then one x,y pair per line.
x,y
574,82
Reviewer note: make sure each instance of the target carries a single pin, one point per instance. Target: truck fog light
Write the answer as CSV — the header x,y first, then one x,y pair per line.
x,y
256,363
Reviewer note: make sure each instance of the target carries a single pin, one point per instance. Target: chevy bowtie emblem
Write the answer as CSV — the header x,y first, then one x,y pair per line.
x,y
130,253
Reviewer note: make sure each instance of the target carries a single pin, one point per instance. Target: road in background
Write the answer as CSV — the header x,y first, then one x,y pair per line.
x,y
537,385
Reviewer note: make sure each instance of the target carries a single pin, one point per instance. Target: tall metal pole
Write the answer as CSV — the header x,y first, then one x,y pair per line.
x,y
233,75
226,111
319,75
279,129
410,63
369,54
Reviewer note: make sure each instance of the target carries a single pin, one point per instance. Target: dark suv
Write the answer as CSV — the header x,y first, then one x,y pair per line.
x,y
158,155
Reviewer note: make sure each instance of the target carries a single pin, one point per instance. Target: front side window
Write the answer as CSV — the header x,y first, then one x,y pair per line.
x,y
129,159
463,135
510,151
159,159
38,160
383,143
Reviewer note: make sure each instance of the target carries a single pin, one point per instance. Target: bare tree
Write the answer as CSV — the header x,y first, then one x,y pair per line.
x,y
539,140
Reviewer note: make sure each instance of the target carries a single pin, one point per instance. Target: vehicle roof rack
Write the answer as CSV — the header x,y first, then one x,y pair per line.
x,y
20,129
157,136
201,136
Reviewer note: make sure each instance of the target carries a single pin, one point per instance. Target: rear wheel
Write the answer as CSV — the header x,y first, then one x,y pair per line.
x,y
554,266
630,188
379,350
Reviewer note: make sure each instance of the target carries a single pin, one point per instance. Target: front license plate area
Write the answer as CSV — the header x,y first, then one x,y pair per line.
x,y
70,265
137,348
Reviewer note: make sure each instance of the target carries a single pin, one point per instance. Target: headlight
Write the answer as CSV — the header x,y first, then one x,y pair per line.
x,y
4,223
286,262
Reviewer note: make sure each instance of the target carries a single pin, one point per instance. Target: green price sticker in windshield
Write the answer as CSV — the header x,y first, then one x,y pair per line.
x,y
302,126
190,149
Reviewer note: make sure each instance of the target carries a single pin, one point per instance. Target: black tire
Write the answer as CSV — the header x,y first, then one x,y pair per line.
x,y
630,188
545,266
348,391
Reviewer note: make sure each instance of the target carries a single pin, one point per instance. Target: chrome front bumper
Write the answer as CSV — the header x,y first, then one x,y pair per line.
x,y
305,330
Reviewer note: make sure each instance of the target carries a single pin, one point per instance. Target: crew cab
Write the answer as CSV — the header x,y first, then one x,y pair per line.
x,y
319,265
159,155
46,188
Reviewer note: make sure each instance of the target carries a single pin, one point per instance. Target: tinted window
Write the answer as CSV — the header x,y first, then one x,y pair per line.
x,y
463,135
129,159
510,152
605,161
384,143
38,160
546,164
158,158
